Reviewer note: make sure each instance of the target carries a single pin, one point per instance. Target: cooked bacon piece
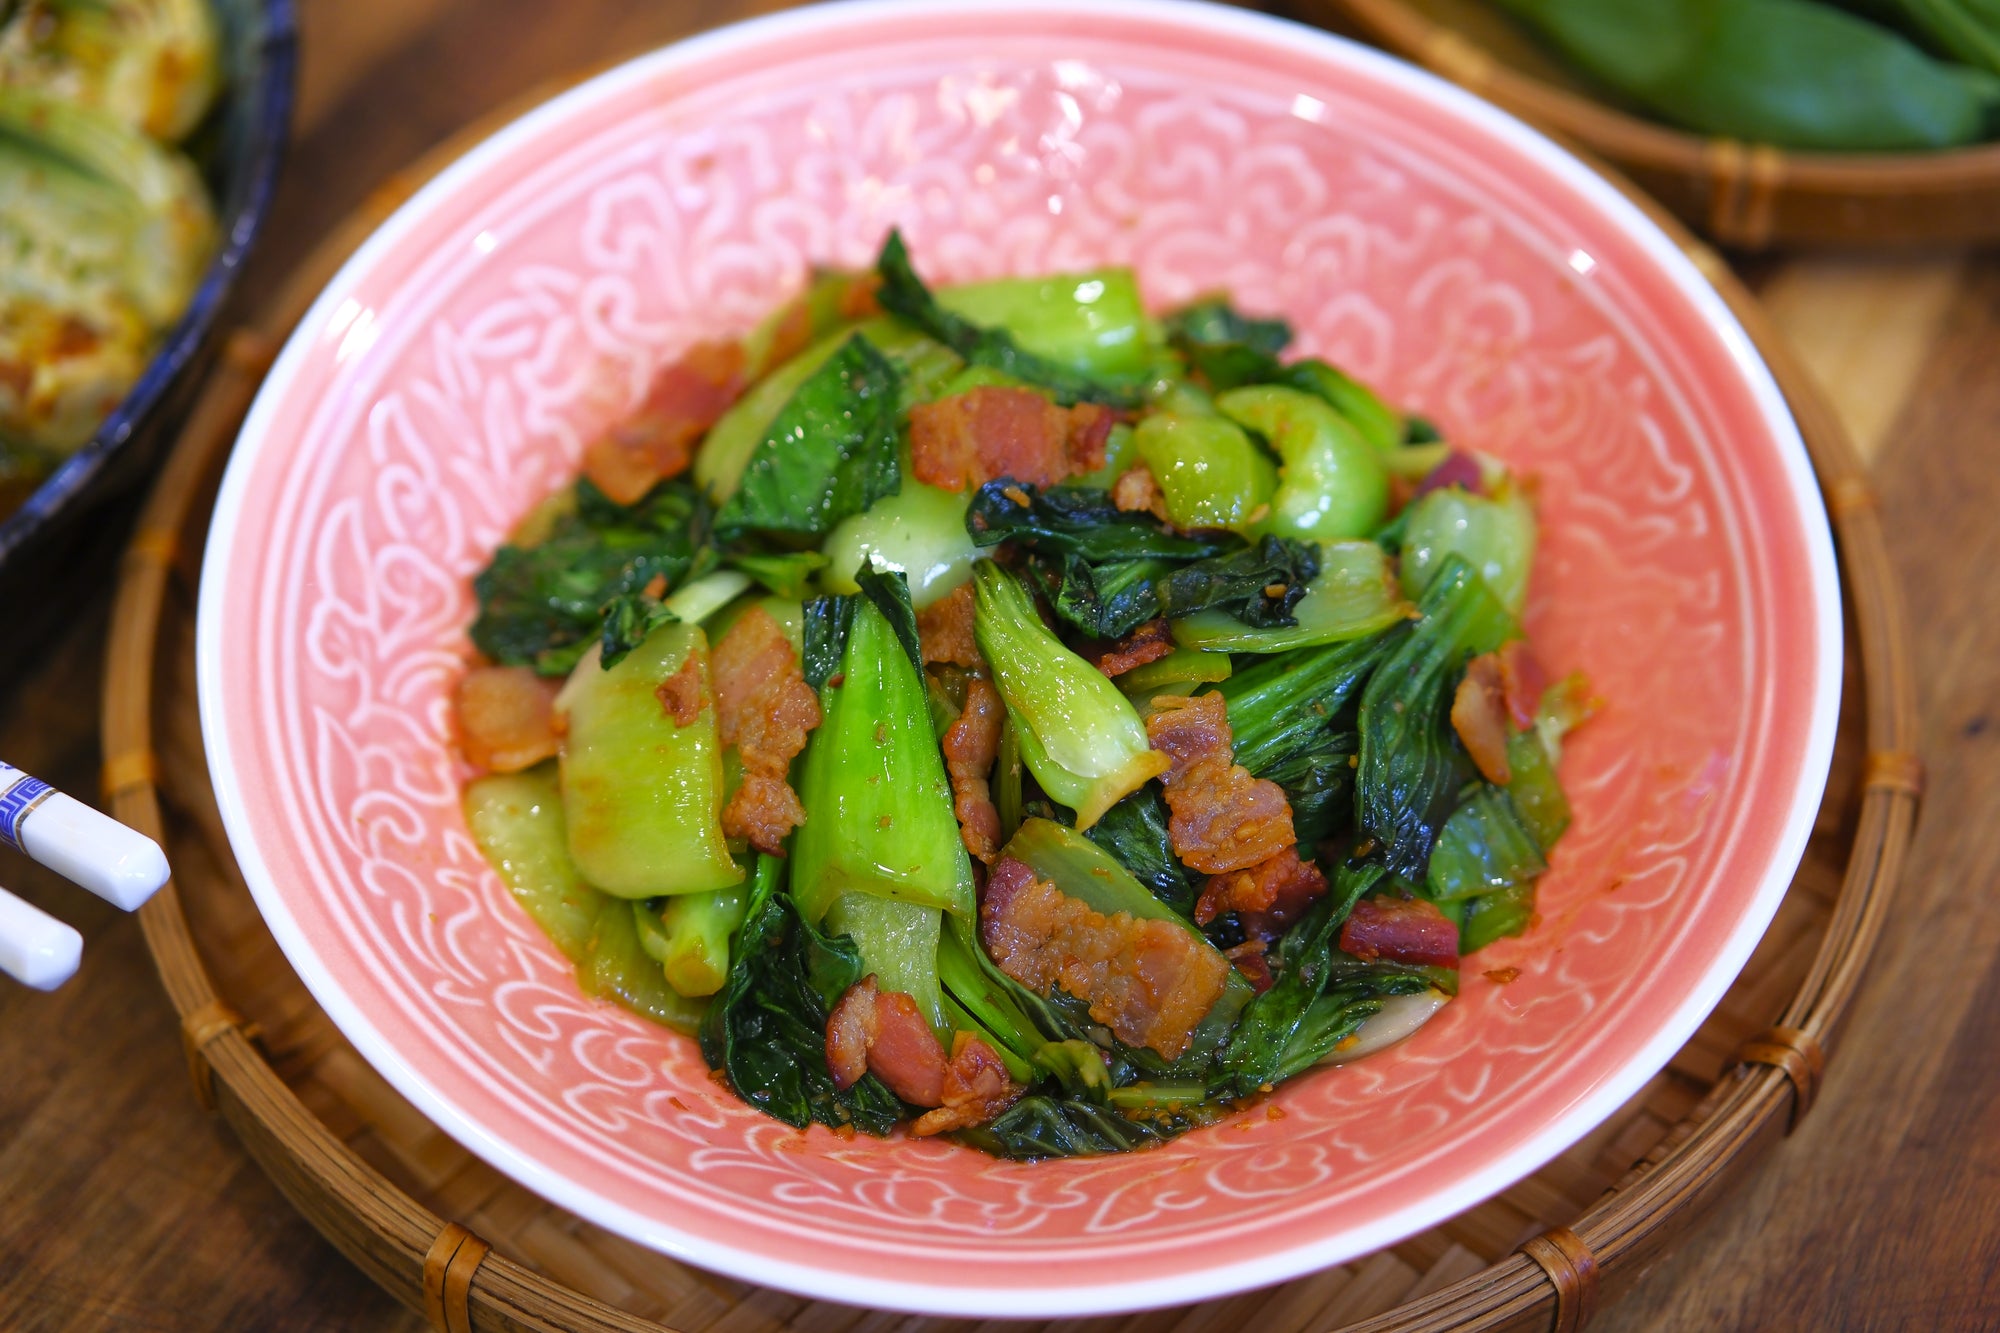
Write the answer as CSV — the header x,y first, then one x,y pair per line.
x,y
849,1030
1148,643
1268,895
1401,930
944,628
1137,491
506,718
858,300
1250,958
884,1033
658,441
1089,428
976,1088
764,708
1222,818
1149,981
987,432
1522,681
970,747
681,695
1457,469
1479,716
792,335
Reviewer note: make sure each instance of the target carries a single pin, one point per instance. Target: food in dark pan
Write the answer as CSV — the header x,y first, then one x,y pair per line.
x,y
105,225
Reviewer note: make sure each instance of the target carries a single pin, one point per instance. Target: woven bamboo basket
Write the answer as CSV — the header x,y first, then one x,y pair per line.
x,y
1744,195
449,1236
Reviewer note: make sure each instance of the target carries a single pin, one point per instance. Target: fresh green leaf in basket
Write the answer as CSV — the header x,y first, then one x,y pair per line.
x,y
1794,73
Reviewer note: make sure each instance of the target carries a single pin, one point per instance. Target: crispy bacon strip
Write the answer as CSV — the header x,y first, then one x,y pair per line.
x,y
858,301
1267,896
1137,491
1479,716
884,1033
506,718
1402,930
1522,681
1457,469
682,694
658,441
1250,959
1148,643
970,746
977,1088
765,709
944,628
1223,819
1089,429
1151,982
1001,431
987,432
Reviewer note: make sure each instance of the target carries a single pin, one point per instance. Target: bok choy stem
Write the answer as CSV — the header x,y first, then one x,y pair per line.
x,y
1077,734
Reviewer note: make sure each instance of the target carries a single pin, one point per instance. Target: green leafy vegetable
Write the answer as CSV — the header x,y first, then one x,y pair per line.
x,y
767,1029
1785,72
517,820
1213,320
1495,536
1492,916
1482,847
1259,585
1106,601
642,794
1411,765
1091,322
785,573
1135,832
827,622
1080,521
878,804
692,943
830,452
890,593
1288,720
1180,671
1536,795
1332,484
1301,965
616,967
1210,473
898,942
1229,351
537,602
1040,1127
903,294
1078,735
1354,595
919,530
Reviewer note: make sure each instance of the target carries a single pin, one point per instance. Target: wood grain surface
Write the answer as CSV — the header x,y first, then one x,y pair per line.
x,y
124,1206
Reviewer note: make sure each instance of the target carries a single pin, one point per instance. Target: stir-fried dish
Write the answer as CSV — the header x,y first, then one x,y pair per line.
x,y
105,225
1000,712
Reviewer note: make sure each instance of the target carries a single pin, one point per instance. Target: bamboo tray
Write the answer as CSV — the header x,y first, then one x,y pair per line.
x,y
1744,195
449,1236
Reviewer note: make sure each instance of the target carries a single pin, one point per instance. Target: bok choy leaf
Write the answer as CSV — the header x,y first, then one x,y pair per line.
x,y
1411,764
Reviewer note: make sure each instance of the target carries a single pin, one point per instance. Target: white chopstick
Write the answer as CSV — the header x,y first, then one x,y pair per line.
x,y
120,865
36,949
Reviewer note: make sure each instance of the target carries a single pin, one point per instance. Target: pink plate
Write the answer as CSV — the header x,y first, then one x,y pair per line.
x,y
449,376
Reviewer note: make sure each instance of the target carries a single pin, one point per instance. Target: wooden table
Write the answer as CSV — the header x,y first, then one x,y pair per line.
x,y
123,1206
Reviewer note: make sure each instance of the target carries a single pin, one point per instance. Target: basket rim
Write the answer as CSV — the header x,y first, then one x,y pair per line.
x,y
1414,35
391,1236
